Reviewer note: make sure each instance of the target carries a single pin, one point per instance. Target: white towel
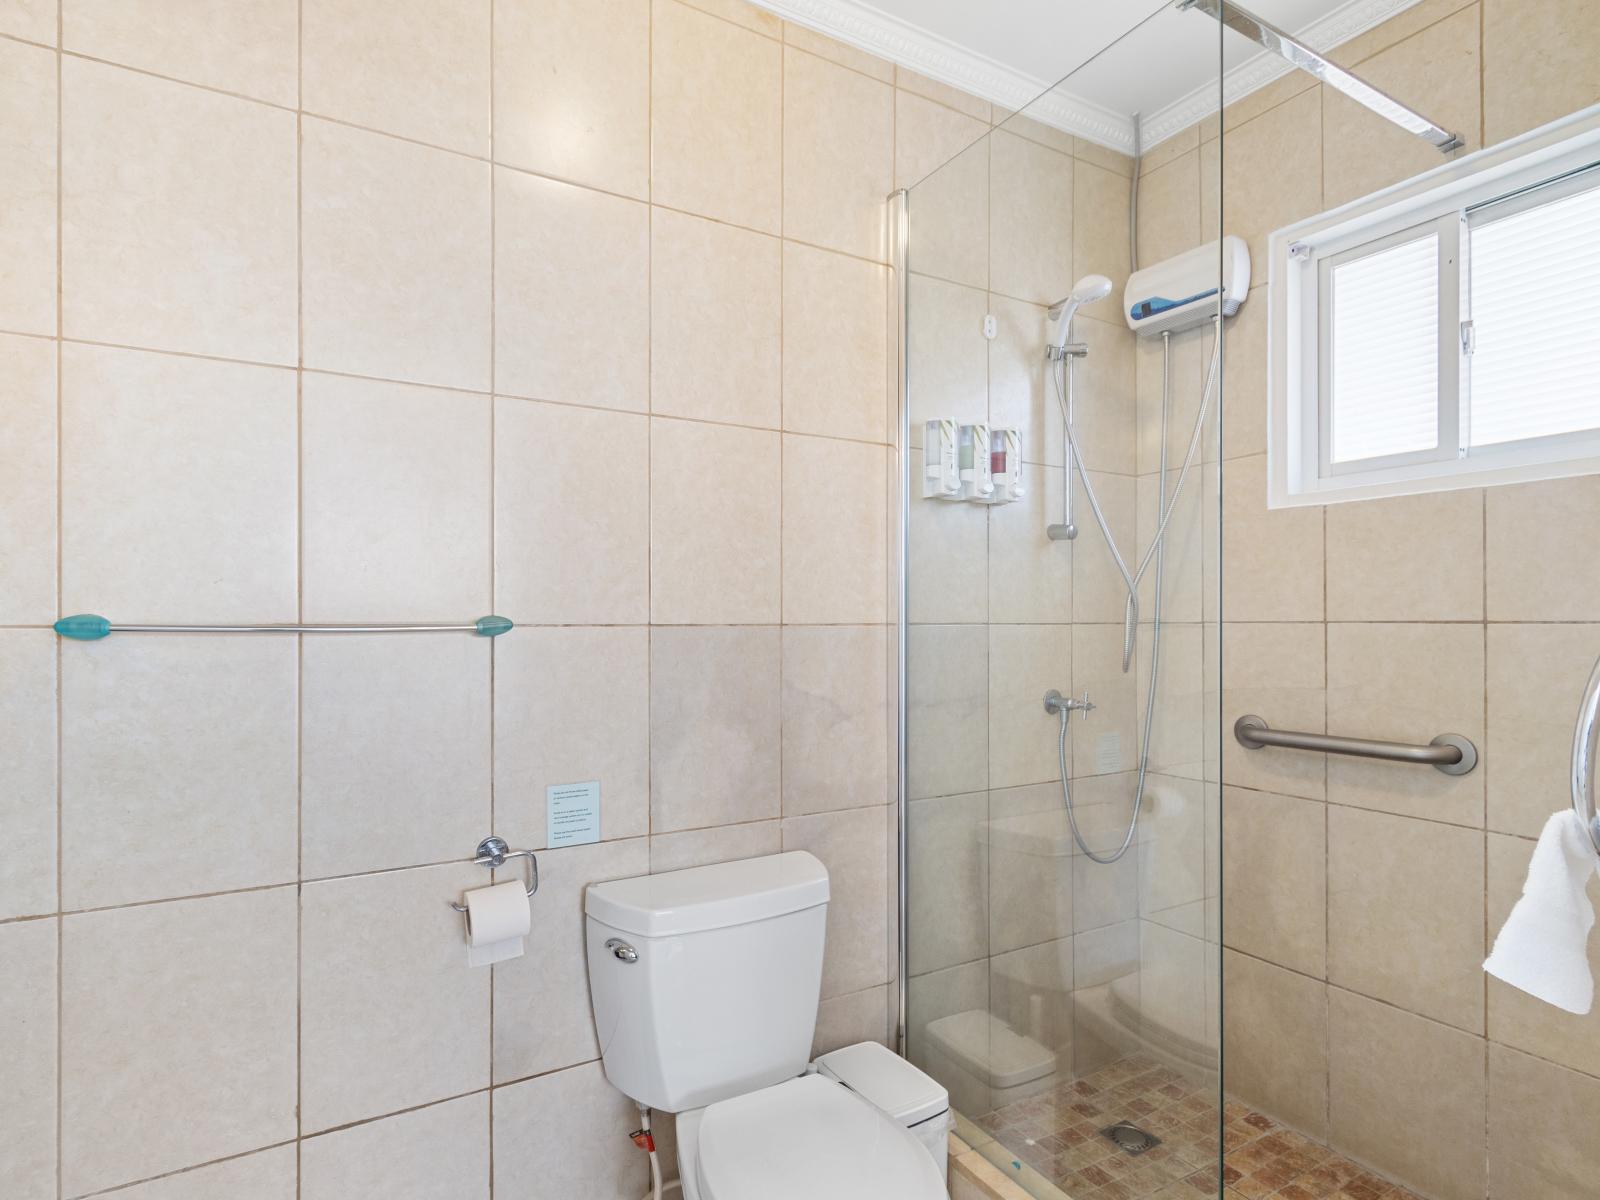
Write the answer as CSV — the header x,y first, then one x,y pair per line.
x,y
1542,946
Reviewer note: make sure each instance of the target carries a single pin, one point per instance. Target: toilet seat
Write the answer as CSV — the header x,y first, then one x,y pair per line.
x,y
806,1138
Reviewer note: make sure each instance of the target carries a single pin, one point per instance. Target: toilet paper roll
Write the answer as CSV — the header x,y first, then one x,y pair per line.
x,y
498,919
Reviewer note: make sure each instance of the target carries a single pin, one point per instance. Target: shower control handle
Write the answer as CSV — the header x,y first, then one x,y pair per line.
x,y
1055,702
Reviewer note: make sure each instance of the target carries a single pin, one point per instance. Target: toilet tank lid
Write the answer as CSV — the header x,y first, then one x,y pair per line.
x,y
714,897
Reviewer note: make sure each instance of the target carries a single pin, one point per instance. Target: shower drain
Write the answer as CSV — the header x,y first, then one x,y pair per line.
x,y
1130,1137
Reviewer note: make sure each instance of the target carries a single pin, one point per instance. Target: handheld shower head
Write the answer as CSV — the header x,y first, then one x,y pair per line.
x,y
1086,291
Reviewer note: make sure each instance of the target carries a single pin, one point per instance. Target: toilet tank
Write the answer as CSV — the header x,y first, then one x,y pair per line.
x,y
705,981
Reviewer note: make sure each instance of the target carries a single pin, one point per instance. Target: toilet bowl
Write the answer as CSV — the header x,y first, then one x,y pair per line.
x,y
705,985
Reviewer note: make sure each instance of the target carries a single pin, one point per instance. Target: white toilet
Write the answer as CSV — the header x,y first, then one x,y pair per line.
x,y
705,986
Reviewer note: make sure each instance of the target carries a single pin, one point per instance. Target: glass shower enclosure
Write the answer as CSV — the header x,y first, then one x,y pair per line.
x,y
1060,600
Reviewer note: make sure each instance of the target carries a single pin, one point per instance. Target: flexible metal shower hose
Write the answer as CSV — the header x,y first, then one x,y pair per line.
x,y
1155,553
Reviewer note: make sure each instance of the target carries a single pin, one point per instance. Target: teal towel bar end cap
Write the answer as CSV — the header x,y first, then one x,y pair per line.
x,y
86,627
492,626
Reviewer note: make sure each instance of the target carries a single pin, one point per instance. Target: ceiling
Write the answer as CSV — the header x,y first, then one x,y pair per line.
x,y
1114,57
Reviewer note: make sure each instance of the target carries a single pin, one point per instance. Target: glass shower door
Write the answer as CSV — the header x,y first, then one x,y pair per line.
x,y
1061,924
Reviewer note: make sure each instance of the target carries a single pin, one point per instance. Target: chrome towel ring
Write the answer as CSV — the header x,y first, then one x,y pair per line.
x,y
1585,744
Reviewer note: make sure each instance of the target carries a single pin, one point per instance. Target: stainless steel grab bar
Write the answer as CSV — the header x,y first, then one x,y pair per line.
x,y
1585,746
1449,752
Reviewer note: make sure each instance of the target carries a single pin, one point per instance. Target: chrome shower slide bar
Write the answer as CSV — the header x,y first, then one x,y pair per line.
x,y
1449,752
1585,748
1308,60
90,627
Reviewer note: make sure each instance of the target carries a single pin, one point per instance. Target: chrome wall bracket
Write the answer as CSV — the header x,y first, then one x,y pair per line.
x,y
1300,55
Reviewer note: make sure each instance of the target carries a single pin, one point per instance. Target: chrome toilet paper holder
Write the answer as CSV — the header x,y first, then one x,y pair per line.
x,y
494,853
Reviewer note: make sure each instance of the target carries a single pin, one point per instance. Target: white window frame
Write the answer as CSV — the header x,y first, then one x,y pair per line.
x,y
1300,258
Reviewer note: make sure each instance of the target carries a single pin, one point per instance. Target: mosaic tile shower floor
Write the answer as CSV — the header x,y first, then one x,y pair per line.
x,y
1057,1134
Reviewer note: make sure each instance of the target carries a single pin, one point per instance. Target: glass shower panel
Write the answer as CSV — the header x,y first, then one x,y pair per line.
x,y
1054,994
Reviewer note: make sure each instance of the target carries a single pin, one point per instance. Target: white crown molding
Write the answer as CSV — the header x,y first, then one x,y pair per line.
x,y
1343,23
866,28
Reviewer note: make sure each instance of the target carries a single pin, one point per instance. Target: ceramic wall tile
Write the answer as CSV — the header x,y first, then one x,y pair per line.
x,y
571,705
388,946
586,1163
835,346
837,739
265,1175
394,757
1404,924
715,539
243,46
436,1153
411,68
193,1003
835,531
28,481
179,482
28,771
28,104
28,1039
571,294
838,154
177,216
567,481
395,502
572,90
716,118
853,846
396,260
715,719
163,743
1406,1095
715,321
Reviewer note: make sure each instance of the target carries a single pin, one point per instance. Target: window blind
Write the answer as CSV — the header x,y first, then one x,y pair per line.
x,y
1384,371
1535,308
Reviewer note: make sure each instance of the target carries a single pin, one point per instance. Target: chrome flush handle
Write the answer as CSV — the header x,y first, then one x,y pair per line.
x,y
621,950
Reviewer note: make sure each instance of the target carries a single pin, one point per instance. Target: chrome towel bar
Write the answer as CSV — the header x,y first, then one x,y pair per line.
x,y
1449,752
91,627
1585,747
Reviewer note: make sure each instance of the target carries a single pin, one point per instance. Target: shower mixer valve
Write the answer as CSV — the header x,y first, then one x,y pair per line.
x,y
1055,702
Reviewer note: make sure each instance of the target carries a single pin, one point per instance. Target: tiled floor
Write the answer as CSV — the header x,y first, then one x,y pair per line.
x,y
1057,1134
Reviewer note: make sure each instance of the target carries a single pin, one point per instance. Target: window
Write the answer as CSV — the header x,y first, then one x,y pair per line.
x,y
1444,333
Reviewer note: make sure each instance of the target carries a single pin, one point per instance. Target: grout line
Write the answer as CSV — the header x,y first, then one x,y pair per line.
x,y
489,159
118,1189
649,448
1487,765
343,1127
715,16
382,871
60,397
452,388
300,601
1332,987
494,404
783,440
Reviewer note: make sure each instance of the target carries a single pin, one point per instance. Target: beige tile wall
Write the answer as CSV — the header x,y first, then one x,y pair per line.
x,y
1361,898
388,312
